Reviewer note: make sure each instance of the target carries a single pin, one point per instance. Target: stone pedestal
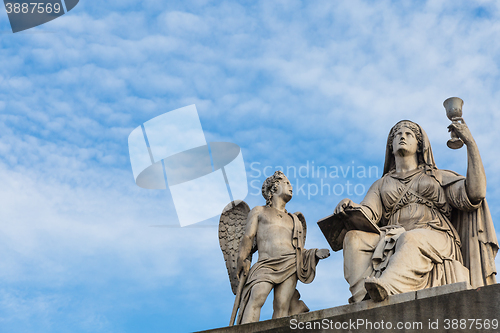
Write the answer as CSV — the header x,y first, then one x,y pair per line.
x,y
452,308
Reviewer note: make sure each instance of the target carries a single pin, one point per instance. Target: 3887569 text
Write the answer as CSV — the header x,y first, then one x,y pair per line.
x,y
32,7
470,324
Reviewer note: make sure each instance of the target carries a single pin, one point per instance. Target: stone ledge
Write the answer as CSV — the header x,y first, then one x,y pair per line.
x,y
446,289
454,301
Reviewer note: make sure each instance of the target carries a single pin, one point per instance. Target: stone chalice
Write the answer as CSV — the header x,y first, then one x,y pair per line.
x,y
453,106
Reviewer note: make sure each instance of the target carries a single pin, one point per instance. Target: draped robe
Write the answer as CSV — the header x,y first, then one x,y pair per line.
x,y
276,270
432,235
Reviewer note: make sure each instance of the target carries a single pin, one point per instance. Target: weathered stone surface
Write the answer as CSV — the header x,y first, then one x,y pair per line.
x,y
429,314
282,258
420,210
449,288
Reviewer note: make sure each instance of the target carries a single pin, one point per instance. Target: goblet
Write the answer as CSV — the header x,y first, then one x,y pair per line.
x,y
453,106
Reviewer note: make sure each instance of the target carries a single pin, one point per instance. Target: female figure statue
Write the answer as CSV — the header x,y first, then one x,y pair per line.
x,y
436,225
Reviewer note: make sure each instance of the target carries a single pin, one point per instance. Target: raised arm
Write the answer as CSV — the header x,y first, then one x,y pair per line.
x,y
475,182
247,240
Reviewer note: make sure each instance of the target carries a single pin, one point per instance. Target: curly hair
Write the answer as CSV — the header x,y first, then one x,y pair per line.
x,y
270,186
411,125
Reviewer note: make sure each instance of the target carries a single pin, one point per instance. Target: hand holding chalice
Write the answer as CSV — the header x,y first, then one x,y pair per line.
x,y
453,106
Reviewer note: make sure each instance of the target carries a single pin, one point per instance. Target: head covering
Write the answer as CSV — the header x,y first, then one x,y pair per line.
x,y
425,157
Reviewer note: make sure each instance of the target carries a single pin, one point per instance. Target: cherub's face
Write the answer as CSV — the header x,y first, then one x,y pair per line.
x,y
405,142
285,189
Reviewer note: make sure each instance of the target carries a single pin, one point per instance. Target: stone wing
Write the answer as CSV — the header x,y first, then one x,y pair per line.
x,y
231,229
304,224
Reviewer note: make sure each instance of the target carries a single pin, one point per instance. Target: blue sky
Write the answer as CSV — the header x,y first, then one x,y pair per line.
x,y
292,83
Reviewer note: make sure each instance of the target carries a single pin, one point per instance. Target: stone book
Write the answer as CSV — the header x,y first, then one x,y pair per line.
x,y
335,226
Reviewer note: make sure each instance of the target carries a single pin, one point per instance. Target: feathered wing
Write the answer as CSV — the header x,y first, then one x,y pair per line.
x,y
231,229
302,219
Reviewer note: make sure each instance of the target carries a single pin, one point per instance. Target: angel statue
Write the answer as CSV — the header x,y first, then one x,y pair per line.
x,y
436,227
279,238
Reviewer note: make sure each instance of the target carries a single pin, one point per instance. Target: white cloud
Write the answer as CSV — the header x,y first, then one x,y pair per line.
x,y
289,82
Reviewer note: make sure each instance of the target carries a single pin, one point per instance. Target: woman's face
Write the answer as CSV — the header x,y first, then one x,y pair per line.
x,y
405,142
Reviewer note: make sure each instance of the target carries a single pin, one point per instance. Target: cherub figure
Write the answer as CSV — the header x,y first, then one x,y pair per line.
x,y
279,237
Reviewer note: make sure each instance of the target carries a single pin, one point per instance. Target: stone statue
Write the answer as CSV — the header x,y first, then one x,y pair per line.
x,y
436,227
279,237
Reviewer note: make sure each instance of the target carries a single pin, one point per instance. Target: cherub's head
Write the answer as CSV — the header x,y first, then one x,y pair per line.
x,y
277,184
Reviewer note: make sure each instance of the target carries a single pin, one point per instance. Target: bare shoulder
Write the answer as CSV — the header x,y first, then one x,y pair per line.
x,y
257,210
253,221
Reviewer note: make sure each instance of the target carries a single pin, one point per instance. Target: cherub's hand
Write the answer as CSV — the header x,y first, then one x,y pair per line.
x,y
341,207
461,129
243,266
323,253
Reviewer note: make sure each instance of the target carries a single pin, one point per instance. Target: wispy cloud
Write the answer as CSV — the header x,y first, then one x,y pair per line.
x,y
289,82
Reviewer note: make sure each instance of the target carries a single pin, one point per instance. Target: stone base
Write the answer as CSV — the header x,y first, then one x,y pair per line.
x,y
430,310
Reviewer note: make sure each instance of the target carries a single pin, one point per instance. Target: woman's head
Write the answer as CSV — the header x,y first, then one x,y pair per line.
x,y
405,136
423,146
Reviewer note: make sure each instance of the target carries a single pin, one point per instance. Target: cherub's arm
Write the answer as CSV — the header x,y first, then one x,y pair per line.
x,y
320,253
247,240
